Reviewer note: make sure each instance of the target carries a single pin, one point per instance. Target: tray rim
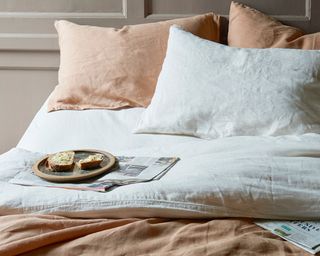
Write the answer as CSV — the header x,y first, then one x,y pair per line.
x,y
80,177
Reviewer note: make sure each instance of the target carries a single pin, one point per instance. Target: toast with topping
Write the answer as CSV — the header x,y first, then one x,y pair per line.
x,y
62,161
91,162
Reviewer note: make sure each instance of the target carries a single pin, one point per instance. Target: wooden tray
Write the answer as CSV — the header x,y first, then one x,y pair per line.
x,y
41,169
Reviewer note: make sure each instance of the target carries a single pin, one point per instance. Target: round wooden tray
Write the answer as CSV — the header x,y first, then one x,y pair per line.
x,y
41,169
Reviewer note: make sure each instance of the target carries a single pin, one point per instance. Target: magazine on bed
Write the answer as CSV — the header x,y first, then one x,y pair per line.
x,y
305,234
129,170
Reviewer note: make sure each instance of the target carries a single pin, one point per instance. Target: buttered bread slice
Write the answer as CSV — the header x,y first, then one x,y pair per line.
x,y
92,161
62,161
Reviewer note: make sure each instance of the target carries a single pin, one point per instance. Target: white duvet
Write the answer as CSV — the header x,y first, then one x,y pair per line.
x,y
262,177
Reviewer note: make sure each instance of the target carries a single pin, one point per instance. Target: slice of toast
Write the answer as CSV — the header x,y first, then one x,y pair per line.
x,y
91,162
62,161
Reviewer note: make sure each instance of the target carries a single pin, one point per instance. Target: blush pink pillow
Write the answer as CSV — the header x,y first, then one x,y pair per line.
x,y
115,68
249,28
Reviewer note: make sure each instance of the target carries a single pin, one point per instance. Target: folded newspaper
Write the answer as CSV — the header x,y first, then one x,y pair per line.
x,y
304,234
129,170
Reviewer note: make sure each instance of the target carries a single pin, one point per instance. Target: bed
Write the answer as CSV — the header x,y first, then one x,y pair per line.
x,y
161,216
205,205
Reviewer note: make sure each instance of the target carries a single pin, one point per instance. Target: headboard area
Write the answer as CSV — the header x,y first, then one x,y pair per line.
x,y
29,56
28,25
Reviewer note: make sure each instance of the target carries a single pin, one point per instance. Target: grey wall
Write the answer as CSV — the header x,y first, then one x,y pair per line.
x,y
29,56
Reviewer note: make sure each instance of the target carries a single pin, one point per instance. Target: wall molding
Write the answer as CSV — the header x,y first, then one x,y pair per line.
x,y
29,60
132,12
63,15
48,41
68,15
163,16
308,7
28,42
176,16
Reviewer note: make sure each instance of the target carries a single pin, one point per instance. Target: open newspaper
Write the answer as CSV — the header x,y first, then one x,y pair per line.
x,y
129,170
305,234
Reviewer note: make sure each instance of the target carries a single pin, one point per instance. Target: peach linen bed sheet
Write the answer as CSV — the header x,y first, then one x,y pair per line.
x,y
250,28
111,68
54,235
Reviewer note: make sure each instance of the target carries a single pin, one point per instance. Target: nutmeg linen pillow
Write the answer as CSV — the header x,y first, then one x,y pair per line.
x,y
211,90
250,28
115,68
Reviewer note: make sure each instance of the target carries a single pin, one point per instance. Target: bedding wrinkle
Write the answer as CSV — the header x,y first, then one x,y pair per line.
x,y
264,96
109,68
23,238
250,28
238,176
49,235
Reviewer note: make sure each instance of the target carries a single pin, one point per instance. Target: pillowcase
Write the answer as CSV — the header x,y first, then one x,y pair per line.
x,y
211,90
249,28
114,68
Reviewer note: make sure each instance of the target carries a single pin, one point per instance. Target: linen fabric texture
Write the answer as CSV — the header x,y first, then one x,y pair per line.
x,y
249,28
114,68
52,235
209,90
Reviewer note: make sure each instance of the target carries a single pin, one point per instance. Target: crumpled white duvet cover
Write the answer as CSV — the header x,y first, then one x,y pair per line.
x,y
262,177
241,176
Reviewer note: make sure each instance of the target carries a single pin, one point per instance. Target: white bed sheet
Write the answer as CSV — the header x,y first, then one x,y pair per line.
x,y
262,177
109,130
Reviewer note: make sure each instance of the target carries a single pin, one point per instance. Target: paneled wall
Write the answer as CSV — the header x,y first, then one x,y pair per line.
x,y
29,56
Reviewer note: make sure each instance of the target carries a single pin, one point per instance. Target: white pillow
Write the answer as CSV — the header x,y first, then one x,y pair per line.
x,y
210,90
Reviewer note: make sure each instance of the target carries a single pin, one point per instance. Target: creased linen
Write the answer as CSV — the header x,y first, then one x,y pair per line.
x,y
261,177
249,28
209,90
114,68
54,235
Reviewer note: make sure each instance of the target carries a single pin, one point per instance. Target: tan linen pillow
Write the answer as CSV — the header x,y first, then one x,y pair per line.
x,y
249,28
114,68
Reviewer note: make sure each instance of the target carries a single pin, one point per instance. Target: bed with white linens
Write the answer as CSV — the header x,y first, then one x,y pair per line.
x,y
244,123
